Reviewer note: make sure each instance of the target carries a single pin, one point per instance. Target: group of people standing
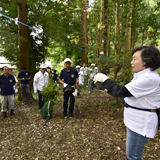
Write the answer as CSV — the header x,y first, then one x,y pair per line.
x,y
142,94
8,84
68,75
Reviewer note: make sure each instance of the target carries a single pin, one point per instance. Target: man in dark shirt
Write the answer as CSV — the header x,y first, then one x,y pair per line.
x,y
7,82
24,76
70,76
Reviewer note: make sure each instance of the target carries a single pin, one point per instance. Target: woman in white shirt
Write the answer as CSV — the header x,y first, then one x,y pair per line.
x,y
142,99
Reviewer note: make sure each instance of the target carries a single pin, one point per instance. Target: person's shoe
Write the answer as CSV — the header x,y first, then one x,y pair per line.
x,y
25,103
15,107
70,115
40,106
12,112
4,115
30,103
65,115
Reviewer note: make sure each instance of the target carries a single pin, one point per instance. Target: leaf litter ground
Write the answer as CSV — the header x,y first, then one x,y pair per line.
x,y
96,132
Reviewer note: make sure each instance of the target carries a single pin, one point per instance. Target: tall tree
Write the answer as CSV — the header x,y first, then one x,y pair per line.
x,y
84,31
106,26
23,35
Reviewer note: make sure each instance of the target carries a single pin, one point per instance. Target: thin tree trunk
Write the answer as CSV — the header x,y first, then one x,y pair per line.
x,y
43,48
116,28
128,41
67,52
84,33
108,41
106,26
99,35
142,38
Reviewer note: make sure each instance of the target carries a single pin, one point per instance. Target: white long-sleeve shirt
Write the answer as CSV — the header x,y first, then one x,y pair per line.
x,y
81,78
40,80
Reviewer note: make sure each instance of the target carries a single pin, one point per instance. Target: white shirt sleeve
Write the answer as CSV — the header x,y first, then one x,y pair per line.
x,y
35,80
140,87
15,79
47,78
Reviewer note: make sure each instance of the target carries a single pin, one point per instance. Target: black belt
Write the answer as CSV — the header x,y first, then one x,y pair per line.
x,y
148,110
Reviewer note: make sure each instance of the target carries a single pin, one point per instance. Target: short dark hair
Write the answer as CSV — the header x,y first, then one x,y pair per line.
x,y
3,67
150,55
23,68
10,69
49,68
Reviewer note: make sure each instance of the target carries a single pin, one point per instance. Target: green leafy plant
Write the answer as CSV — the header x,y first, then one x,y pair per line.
x,y
51,91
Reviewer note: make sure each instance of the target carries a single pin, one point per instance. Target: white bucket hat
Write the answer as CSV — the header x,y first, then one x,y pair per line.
x,y
42,66
78,66
67,60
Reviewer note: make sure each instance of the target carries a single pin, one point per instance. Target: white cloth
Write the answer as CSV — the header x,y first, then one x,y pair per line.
x,y
16,82
81,78
93,72
42,65
65,85
84,70
16,91
100,77
145,88
40,80
75,93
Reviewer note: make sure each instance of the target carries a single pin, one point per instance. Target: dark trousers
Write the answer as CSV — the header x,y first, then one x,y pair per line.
x,y
65,104
25,87
40,100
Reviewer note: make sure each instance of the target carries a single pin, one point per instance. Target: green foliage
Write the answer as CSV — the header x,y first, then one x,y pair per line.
x,y
51,91
62,20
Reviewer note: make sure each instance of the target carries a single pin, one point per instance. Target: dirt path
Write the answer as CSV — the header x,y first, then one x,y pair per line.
x,y
97,133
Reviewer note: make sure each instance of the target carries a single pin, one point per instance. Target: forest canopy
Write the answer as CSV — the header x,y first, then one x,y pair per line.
x,y
83,31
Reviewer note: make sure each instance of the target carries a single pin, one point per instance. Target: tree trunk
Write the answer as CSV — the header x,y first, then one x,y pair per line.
x,y
116,28
99,35
108,41
84,32
128,41
142,38
43,48
23,37
105,29
23,34
67,52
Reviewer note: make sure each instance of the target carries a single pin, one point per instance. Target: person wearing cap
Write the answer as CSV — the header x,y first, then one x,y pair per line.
x,y
40,79
68,76
80,73
92,72
7,82
24,76
84,69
